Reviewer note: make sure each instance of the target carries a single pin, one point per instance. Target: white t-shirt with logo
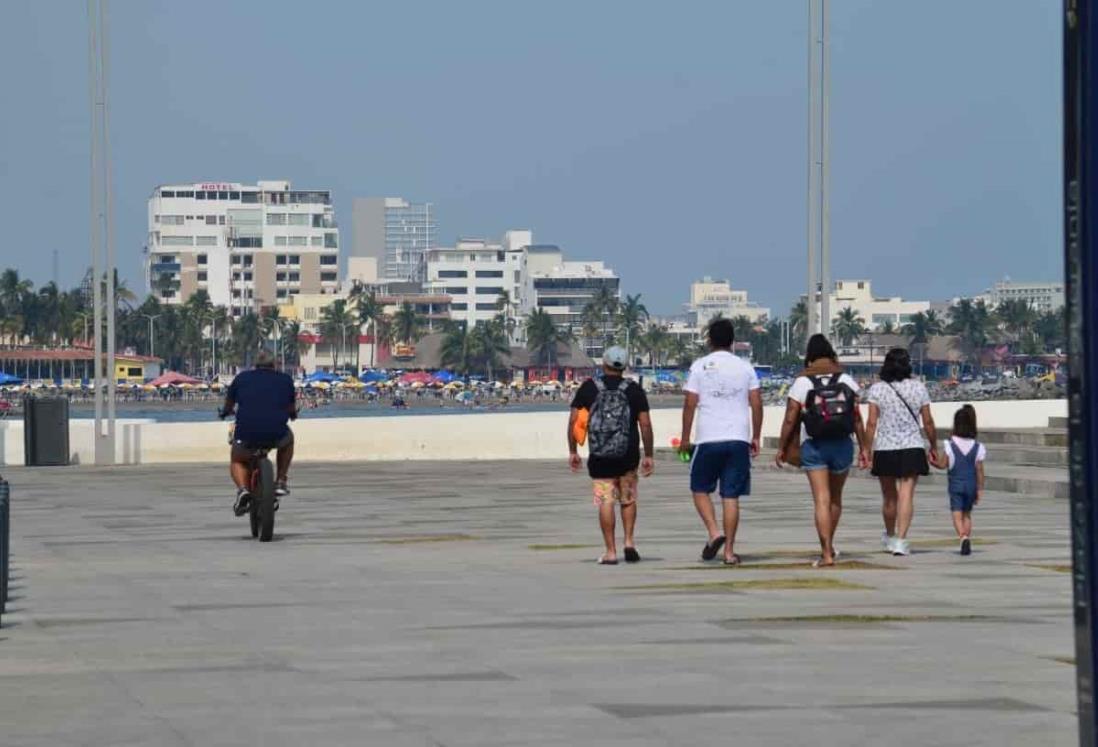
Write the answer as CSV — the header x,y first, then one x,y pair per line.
x,y
722,382
803,386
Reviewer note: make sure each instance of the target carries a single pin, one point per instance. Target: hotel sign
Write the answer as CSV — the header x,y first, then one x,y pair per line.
x,y
214,187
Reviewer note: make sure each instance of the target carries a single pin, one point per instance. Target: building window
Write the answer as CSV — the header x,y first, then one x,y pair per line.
x,y
488,291
327,277
202,259
295,277
459,306
177,241
280,241
249,197
330,241
200,195
486,307
280,277
456,290
329,259
167,193
281,293
211,220
280,259
295,259
247,260
222,195
202,277
453,274
236,277
234,195
298,219
276,219
206,240
317,241
236,259
299,241
236,293
489,273
247,277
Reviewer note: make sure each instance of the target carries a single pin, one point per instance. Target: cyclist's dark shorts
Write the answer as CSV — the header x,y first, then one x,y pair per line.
x,y
242,450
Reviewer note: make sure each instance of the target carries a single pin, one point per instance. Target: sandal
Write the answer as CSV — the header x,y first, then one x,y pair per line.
x,y
712,548
601,560
734,561
819,563
631,555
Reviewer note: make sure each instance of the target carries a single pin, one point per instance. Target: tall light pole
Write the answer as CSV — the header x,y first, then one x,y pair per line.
x,y
819,167
102,230
152,333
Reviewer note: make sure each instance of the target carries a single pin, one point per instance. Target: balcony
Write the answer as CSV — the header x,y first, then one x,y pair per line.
x,y
165,267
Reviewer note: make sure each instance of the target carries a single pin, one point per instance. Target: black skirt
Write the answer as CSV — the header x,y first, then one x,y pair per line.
x,y
900,463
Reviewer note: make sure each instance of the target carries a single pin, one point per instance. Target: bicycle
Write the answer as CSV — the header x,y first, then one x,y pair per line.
x,y
261,485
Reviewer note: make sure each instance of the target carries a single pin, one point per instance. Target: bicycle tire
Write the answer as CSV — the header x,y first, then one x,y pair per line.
x,y
265,510
253,518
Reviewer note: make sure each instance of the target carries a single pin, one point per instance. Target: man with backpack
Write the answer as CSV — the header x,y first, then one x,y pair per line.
x,y
617,420
723,391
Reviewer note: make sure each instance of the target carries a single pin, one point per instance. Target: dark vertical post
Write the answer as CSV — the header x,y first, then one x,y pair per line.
x,y
1081,278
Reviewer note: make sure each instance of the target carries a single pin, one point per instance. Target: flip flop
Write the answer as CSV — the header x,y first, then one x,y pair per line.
x,y
601,560
712,548
734,561
819,563
631,555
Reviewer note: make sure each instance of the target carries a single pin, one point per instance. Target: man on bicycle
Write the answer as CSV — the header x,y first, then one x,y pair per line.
x,y
264,400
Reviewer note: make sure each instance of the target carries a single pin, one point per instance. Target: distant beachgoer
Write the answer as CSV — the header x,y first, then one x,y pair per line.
x,y
823,402
618,421
899,416
964,458
723,390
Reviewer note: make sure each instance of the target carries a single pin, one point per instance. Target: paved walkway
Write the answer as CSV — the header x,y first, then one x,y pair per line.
x,y
457,604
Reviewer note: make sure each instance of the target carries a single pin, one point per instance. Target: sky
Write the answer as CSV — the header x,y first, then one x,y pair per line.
x,y
668,139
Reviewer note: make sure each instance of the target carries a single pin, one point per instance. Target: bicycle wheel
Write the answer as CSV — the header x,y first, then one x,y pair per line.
x,y
265,500
253,517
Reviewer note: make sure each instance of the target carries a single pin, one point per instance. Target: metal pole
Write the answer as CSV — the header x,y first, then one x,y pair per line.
x,y
97,291
810,300
825,172
1081,280
112,380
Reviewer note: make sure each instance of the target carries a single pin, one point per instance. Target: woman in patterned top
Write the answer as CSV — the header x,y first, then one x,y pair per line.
x,y
899,417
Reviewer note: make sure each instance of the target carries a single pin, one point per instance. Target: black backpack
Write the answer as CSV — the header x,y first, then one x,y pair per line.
x,y
829,409
611,421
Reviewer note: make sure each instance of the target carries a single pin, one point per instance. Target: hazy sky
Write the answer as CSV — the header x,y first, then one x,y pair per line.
x,y
665,138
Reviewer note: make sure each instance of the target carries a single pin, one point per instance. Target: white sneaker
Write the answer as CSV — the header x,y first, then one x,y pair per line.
x,y
901,547
886,542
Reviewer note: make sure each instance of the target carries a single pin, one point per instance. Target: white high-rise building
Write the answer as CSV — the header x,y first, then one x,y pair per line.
x,y
858,295
396,233
709,298
1042,296
475,273
247,246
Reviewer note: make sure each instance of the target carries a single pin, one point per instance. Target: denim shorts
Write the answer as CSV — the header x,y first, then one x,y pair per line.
x,y
725,462
836,455
961,500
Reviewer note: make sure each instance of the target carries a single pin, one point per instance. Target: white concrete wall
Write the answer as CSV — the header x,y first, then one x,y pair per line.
x,y
536,435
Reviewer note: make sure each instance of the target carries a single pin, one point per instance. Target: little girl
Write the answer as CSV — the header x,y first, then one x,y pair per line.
x,y
966,458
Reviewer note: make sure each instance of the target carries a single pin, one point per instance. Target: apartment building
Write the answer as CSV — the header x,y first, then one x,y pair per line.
x,y
247,246
1042,296
476,273
710,298
395,233
858,295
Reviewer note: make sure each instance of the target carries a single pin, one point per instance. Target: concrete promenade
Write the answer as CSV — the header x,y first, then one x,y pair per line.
x,y
457,604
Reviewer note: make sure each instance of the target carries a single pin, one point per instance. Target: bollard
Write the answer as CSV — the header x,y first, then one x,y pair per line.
x,y
5,541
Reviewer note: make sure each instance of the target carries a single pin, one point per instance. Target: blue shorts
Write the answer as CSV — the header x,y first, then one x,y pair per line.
x,y
836,455
962,500
724,462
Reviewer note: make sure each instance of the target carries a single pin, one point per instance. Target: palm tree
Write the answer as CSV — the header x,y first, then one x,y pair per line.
x,y
848,326
247,338
1017,318
543,336
370,311
798,324
291,343
743,327
491,341
458,349
972,323
590,324
1050,328
334,322
888,327
682,351
632,314
407,324
921,328
606,301
655,343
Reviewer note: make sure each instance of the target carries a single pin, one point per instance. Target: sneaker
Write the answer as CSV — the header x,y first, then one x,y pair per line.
x,y
886,542
900,547
281,489
966,546
243,501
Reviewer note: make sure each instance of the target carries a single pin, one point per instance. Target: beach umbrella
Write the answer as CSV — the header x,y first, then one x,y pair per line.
x,y
7,379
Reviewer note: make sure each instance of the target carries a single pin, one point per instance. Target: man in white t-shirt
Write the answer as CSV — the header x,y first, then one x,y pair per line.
x,y
723,391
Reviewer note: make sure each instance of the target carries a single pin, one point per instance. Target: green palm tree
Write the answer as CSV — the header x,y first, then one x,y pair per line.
x,y
543,337
458,349
590,324
291,343
921,328
971,321
888,327
370,311
682,351
1017,319
655,343
491,342
335,320
632,315
1050,328
798,324
247,338
848,326
408,324
606,300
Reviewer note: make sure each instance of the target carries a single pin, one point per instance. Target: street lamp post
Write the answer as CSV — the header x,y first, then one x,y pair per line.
x,y
152,333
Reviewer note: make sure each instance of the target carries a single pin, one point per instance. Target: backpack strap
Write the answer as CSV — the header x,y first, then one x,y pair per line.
x,y
599,384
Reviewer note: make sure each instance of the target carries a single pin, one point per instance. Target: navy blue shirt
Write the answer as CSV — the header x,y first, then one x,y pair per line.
x,y
264,398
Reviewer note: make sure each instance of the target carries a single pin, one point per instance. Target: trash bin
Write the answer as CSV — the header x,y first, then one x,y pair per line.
x,y
45,431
